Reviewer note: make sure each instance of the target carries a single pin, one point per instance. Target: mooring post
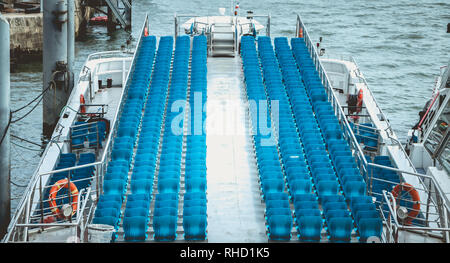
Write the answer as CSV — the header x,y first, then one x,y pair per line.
x,y
55,63
5,161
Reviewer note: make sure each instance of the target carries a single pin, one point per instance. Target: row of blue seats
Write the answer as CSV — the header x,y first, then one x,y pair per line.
x,y
137,211
367,134
115,181
308,161
194,217
383,179
325,183
94,132
338,223
278,212
165,217
353,185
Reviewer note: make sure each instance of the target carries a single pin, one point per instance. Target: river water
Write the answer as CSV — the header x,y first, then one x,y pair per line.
x,y
399,46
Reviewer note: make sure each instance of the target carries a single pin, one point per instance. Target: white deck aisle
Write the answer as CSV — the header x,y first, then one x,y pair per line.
x,y
235,211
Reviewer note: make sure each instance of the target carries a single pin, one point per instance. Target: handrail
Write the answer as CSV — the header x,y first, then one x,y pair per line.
x,y
391,203
324,78
372,96
438,88
105,54
36,177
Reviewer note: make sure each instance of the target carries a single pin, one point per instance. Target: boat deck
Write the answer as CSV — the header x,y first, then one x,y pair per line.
x,y
284,171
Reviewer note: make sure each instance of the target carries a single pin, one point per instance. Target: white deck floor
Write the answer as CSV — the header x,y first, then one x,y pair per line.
x,y
235,211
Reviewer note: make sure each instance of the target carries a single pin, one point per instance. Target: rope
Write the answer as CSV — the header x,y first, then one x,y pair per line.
x,y
24,147
28,113
18,185
28,104
25,140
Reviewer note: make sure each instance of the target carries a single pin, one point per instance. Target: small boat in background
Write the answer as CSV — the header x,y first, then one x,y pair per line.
x,y
98,20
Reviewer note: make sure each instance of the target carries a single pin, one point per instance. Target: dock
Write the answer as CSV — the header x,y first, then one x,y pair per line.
x,y
26,30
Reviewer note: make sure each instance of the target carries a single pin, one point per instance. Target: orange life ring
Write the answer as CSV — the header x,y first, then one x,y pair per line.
x,y
145,32
414,195
63,183
82,101
300,33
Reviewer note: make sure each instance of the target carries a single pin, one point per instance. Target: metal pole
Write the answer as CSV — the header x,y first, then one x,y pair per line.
x,y
128,14
5,161
71,41
55,71
110,25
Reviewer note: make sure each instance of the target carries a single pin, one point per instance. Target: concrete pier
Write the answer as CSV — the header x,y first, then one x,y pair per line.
x,y
5,160
26,30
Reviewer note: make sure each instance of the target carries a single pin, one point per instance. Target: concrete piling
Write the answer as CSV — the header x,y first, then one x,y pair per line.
x,y
5,161
55,63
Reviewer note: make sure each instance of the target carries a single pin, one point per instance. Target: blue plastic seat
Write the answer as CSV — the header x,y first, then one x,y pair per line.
x,y
272,186
306,205
114,187
142,186
166,211
278,211
307,212
194,202
194,210
276,196
135,228
168,186
165,228
333,206
332,198
340,228
276,204
280,227
336,213
137,197
354,188
196,185
300,186
304,197
310,228
327,188
369,227
194,195
194,227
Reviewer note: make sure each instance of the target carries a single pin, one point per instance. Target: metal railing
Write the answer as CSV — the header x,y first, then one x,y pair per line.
x,y
20,221
178,18
108,54
438,228
437,201
85,131
177,23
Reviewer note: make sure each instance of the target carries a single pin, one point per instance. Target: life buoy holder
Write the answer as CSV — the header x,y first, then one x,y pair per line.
x,y
63,183
414,195
82,102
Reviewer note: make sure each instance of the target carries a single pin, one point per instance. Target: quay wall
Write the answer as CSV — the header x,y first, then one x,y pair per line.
x,y
26,30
